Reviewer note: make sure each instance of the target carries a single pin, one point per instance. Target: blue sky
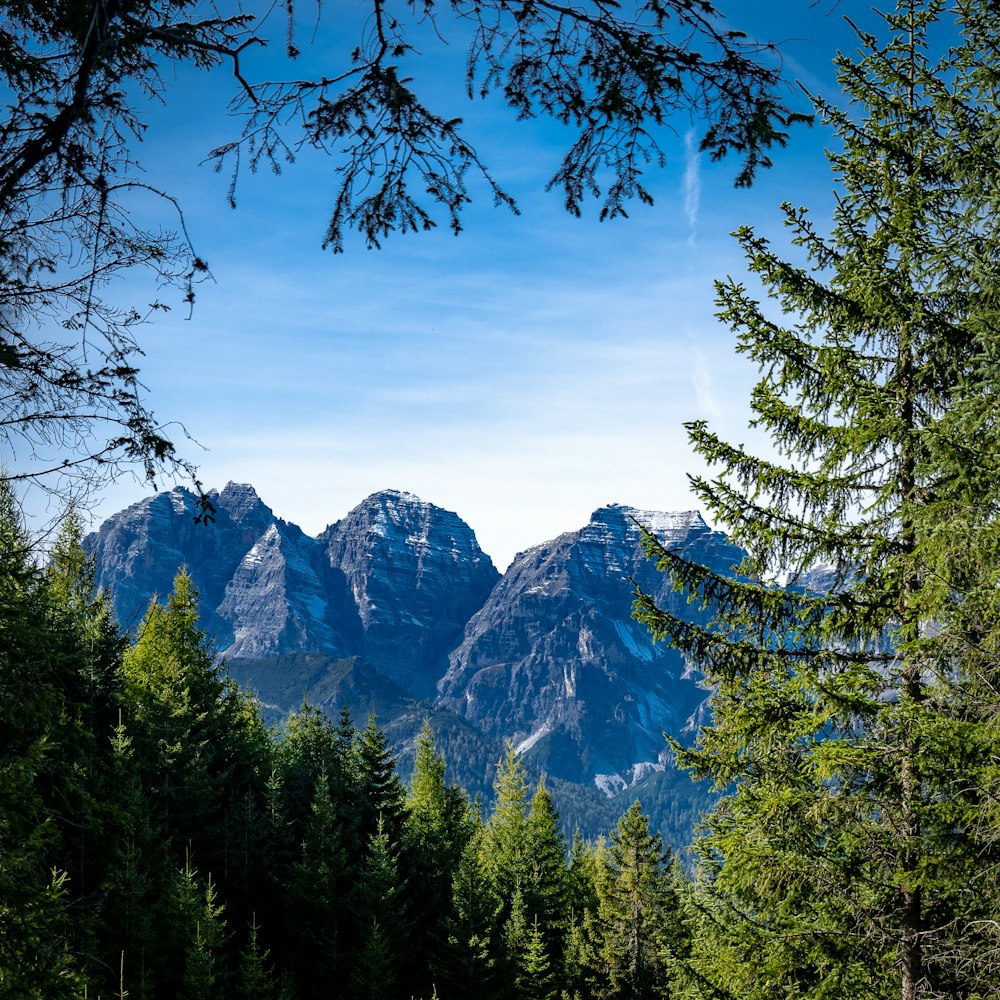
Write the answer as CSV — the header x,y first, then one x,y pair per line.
x,y
522,374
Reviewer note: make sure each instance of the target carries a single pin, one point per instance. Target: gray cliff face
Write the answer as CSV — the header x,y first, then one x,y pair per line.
x,y
140,550
416,575
280,599
262,581
555,663
393,582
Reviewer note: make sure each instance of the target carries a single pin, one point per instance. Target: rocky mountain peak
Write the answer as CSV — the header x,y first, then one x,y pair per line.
x,y
554,661
668,526
241,503
416,573
548,656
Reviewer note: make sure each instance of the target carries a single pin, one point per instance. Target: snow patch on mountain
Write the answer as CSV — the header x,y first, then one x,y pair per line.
x,y
642,651
610,784
526,744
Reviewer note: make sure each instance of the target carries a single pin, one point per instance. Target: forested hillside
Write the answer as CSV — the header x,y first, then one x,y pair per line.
x,y
158,841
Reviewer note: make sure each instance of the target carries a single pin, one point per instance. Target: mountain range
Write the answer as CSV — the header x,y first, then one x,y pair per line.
x,y
396,609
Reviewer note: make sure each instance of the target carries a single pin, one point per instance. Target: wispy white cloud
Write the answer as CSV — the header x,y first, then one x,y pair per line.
x,y
703,384
692,182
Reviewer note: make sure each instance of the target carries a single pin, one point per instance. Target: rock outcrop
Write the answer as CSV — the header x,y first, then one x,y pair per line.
x,y
548,656
554,661
416,575
393,582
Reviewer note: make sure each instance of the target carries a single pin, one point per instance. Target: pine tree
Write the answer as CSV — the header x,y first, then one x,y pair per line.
x,y
41,785
632,934
89,617
585,871
505,838
524,861
92,646
309,745
317,898
381,796
379,960
546,886
538,981
197,737
469,971
515,936
436,831
139,881
841,860
203,926
582,865
257,980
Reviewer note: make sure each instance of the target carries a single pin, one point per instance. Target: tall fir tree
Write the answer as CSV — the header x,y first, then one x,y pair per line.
x,y
201,921
841,860
632,936
505,837
316,896
140,880
381,795
469,971
379,962
546,887
92,646
436,830
42,785
198,738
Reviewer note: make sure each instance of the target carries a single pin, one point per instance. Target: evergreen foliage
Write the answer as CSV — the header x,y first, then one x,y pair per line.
x,y
845,730
47,806
436,832
636,928
468,968
158,842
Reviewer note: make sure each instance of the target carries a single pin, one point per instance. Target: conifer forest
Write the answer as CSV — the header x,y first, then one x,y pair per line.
x,y
159,841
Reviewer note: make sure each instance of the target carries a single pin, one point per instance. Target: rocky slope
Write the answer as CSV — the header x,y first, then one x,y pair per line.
x,y
554,661
140,549
416,575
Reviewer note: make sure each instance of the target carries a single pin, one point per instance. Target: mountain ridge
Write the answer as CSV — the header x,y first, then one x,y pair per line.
x,y
545,656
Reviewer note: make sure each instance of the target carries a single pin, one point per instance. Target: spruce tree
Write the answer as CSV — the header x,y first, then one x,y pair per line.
x,y
545,889
309,745
91,646
139,882
202,922
380,958
381,796
469,970
538,981
316,899
197,737
256,978
631,936
42,788
436,830
844,731
505,838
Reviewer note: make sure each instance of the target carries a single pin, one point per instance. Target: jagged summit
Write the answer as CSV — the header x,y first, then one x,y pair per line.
x,y
394,580
547,655
239,500
416,574
668,526
555,662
